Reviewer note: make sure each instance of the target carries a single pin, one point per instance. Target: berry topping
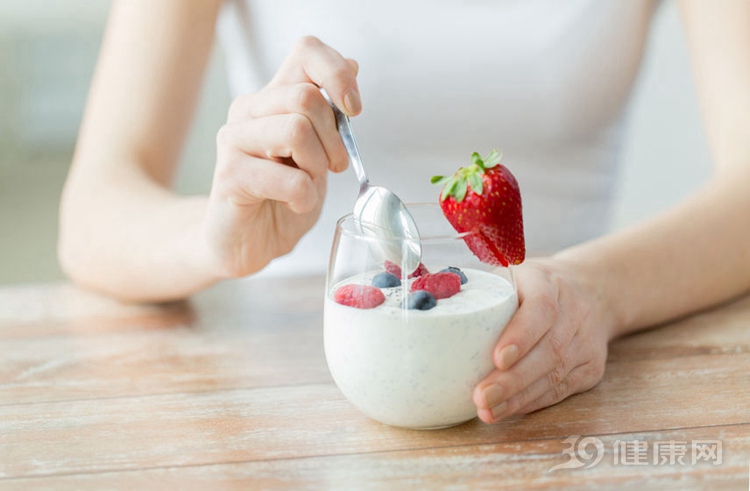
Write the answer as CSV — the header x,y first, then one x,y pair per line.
x,y
386,280
359,296
395,269
392,268
420,271
421,300
455,270
441,285
483,199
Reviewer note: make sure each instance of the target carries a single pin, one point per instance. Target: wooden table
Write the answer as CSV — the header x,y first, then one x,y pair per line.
x,y
231,390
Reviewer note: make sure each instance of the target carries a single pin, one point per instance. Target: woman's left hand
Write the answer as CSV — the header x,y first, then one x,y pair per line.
x,y
554,346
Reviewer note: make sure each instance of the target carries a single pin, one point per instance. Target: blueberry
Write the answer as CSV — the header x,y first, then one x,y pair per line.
x,y
421,300
455,270
386,280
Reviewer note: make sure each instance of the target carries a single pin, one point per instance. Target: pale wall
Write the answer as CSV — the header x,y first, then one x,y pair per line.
x,y
48,48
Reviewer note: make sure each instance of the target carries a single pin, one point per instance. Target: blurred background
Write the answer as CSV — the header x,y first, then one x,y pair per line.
x,y
48,49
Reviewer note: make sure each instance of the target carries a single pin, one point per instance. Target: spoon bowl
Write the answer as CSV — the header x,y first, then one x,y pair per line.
x,y
378,212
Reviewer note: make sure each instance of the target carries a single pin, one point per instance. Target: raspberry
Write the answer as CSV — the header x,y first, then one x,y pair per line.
x,y
420,271
453,269
392,268
395,269
359,296
441,285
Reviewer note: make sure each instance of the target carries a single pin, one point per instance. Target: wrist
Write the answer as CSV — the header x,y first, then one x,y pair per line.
x,y
196,251
228,243
592,280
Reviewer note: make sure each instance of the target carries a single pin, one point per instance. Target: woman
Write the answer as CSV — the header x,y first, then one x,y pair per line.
x,y
545,81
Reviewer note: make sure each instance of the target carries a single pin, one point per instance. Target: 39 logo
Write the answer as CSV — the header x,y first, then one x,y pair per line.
x,y
582,452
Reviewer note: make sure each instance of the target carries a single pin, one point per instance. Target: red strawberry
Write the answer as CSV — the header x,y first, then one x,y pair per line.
x,y
484,199
359,296
441,285
395,269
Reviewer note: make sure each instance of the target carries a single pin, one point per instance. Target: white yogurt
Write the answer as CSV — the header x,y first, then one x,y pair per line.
x,y
416,368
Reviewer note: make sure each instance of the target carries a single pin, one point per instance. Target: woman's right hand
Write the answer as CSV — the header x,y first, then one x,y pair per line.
x,y
273,156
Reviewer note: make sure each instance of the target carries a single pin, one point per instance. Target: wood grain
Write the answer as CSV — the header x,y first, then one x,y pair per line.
x,y
173,360
64,310
516,465
226,338
314,420
231,390
725,329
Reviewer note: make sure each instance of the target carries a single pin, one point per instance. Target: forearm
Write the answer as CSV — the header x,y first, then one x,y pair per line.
x,y
127,236
689,258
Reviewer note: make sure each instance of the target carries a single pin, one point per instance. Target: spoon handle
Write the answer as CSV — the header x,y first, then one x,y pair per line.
x,y
347,136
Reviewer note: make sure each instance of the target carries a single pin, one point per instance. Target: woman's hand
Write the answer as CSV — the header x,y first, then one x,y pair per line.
x,y
554,346
273,156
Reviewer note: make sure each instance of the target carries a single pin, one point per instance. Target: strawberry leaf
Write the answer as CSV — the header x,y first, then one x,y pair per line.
x,y
492,159
448,188
461,188
476,183
458,184
476,159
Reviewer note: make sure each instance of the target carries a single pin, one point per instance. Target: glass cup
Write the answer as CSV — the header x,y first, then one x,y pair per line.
x,y
409,367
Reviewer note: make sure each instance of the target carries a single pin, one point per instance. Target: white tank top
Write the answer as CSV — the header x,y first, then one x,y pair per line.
x,y
544,81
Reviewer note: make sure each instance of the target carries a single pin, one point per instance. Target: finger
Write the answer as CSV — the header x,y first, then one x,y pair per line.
x,y
537,312
553,357
545,384
286,136
253,180
302,98
580,379
539,395
559,382
313,61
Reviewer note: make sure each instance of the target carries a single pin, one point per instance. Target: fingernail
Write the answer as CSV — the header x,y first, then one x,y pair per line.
x,y
498,410
493,395
352,102
508,356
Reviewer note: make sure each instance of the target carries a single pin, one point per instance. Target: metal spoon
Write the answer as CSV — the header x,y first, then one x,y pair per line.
x,y
378,212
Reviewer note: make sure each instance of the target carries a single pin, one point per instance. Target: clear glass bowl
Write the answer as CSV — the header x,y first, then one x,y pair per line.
x,y
407,367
